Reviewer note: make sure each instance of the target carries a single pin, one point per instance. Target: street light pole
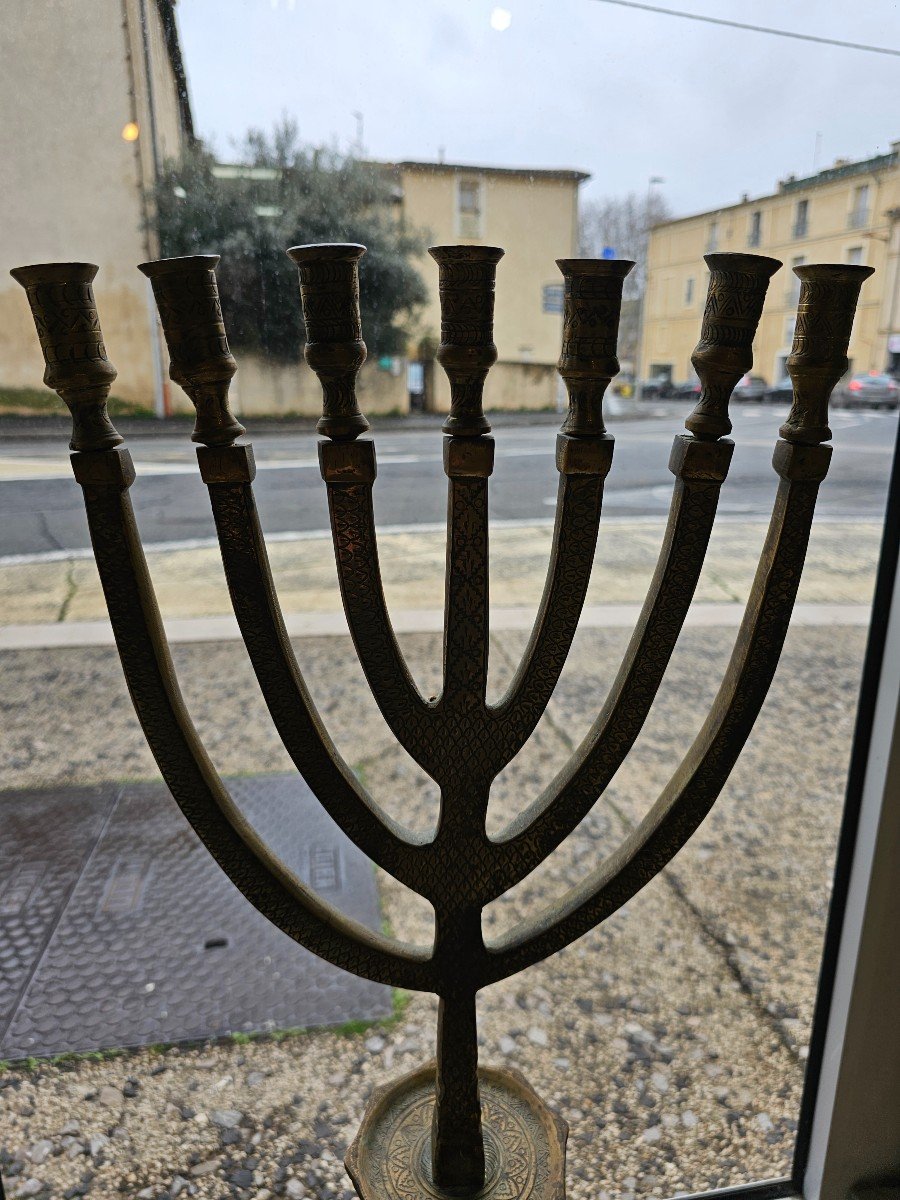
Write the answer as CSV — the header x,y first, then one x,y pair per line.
x,y
639,350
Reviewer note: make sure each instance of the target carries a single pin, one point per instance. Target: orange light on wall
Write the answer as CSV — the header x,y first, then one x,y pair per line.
x,y
131,132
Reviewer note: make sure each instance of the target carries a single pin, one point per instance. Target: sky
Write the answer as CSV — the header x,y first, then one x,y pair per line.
x,y
624,94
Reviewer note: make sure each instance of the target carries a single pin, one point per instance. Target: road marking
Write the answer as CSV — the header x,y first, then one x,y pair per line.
x,y
417,620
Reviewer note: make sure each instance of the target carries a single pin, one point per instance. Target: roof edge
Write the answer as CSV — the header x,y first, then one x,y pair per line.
x,y
166,10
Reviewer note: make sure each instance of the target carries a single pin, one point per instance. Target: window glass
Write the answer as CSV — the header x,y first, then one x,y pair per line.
x,y
212,1056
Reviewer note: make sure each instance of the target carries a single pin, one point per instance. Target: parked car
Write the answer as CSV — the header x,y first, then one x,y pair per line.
x,y
656,389
879,391
781,392
686,391
751,387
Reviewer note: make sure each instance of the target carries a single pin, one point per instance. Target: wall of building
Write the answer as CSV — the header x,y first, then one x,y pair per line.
x,y
72,184
676,252
509,386
263,388
535,220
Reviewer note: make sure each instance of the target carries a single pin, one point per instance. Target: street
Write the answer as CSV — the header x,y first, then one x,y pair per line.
x,y
41,512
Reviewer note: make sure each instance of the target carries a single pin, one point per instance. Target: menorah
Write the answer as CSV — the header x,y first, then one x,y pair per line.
x,y
452,1128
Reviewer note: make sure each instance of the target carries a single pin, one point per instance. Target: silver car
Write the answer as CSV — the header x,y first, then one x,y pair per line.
x,y
870,389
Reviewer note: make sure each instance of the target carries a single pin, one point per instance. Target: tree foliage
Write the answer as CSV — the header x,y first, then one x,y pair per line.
x,y
283,193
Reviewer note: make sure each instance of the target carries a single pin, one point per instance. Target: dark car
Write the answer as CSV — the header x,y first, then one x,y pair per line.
x,y
879,391
781,392
686,391
659,388
751,387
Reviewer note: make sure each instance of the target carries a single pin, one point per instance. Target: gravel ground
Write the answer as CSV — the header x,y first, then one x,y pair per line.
x,y
672,1039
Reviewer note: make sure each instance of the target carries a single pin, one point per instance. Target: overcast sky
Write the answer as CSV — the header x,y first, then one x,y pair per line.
x,y
621,93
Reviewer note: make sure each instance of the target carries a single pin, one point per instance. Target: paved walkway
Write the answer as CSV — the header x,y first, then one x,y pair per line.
x,y
673,1038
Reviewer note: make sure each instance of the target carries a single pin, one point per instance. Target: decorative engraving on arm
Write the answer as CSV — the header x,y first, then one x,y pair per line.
x,y
200,361
828,299
62,304
734,302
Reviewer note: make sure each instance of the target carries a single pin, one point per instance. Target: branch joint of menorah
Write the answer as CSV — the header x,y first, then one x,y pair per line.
x,y
461,740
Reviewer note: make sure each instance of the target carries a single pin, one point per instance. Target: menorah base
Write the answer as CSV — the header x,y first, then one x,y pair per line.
x,y
525,1143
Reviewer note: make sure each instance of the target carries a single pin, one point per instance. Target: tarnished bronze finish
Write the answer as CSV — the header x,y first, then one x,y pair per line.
x,y
467,351
187,297
734,302
76,366
329,294
468,457
592,305
828,296
454,1128
525,1143
697,782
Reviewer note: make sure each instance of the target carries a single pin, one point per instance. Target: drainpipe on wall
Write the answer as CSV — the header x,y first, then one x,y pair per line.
x,y
161,405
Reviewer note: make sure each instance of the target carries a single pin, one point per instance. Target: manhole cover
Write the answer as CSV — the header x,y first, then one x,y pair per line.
x,y
118,929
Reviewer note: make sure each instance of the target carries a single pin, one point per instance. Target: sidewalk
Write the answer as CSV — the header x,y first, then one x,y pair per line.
x,y
190,583
673,1038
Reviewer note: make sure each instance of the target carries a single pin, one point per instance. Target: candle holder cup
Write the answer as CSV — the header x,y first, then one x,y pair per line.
x,y
452,1127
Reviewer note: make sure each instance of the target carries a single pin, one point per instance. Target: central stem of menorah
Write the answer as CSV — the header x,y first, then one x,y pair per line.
x,y
452,1128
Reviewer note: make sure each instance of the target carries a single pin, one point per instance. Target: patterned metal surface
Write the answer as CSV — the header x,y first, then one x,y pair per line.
x,y
734,303
459,739
187,296
99,947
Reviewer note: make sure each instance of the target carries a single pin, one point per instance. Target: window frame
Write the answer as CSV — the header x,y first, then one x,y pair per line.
x,y
840,1148
465,180
801,218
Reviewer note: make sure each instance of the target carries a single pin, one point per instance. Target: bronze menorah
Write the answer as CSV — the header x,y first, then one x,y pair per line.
x,y
452,1128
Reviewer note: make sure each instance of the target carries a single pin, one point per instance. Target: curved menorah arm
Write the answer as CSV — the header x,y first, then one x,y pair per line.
x,y
349,470
105,476
700,469
828,299
737,289
188,298
591,308
228,473
184,764
699,779
583,466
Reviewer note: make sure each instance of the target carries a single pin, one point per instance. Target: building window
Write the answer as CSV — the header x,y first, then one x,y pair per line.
x,y
689,290
552,298
712,240
754,237
794,292
801,219
469,208
855,255
859,214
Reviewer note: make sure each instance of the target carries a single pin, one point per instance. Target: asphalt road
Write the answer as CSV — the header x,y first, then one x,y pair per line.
x,y
41,511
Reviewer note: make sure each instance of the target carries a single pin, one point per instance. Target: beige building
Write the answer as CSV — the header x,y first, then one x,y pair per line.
x,y
533,215
97,98
849,213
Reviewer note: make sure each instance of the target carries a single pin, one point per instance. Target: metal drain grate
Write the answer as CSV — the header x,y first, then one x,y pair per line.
x,y
118,929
